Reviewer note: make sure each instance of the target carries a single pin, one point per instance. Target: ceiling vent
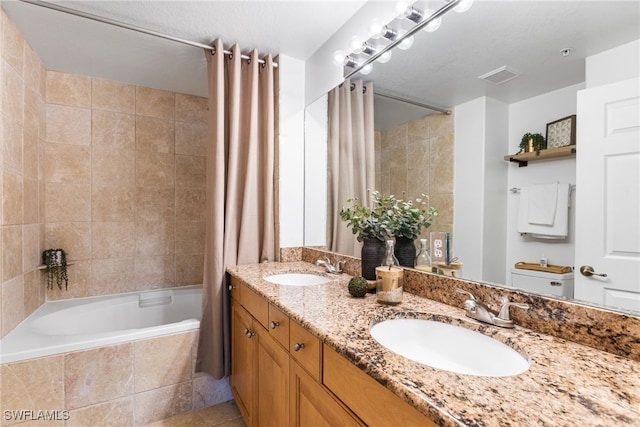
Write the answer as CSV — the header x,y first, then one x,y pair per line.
x,y
500,75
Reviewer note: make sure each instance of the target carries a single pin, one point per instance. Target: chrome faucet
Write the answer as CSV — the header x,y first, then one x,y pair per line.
x,y
331,268
480,311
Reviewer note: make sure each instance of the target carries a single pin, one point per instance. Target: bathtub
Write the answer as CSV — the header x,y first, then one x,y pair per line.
x,y
83,323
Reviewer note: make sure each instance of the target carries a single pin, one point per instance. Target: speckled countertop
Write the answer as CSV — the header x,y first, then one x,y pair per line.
x,y
568,384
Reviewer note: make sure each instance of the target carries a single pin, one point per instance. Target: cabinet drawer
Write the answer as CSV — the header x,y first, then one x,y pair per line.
x,y
257,306
279,326
306,349
381,406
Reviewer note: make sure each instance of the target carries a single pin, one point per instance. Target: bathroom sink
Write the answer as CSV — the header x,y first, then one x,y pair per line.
x,y
449,347
297,279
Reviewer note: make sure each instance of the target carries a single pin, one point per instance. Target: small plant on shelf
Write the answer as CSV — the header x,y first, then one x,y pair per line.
x,y
532,142
55,262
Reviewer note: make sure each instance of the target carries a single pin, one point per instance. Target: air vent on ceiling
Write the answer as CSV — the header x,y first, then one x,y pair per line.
x,y
500,75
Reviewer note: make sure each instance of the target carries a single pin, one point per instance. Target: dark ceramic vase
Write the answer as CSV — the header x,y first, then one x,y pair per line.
x,y
371,257
405,251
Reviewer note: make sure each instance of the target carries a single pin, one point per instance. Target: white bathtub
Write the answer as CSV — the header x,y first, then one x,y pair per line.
x,y
78,324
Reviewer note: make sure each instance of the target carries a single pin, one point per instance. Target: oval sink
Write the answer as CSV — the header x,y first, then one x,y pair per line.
x,y
449,347
297,279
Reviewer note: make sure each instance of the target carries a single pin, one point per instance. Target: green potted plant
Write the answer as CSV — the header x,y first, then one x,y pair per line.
x,y
532,142
55,262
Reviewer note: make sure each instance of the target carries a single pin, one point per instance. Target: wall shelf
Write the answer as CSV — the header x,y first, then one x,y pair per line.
x,y
44,267
523,159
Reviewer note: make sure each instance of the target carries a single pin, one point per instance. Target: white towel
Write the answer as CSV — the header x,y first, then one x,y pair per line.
x,y
542,203
559,227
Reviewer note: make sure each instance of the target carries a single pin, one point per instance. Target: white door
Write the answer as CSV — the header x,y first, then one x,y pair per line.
x,y
608,195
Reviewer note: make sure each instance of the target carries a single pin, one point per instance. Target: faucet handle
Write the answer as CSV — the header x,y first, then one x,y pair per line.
x,y
504,310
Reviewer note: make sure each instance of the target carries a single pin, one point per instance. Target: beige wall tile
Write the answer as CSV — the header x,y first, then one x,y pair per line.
x,y
30,156
67,202
191,139
155,134
190,237
189,269
13,94
32,69
33,291
441,166
115,168
12,198
163,361
155,169
73,237
111,204
191,109
155,204
33,384
116,275
113,130
112,239
155,103
31,112
12,303
113,96
67,164
156,272
12,146
68,125
419,129
31,247
190,204
155,238
68,89
418,155
191,171
441,125
79,283
115,413
12,45
163,403
99,375
444,204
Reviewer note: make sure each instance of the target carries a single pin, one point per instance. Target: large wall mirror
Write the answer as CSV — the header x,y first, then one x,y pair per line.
x,y
460,163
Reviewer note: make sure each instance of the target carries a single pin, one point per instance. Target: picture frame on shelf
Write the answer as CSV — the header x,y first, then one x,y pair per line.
x,y
562,132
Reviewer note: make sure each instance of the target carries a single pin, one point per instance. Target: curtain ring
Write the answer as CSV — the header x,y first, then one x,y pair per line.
x,y
231,56
353,86
249,61
213,50
264,64
364,89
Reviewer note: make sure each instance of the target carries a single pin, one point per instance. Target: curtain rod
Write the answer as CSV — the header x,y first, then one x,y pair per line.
x,y
416,103
129,27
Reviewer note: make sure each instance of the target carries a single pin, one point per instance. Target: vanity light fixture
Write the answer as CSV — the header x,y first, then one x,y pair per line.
x,y
384,37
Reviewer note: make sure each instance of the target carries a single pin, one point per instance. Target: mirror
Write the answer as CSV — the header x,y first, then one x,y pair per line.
x,y
442,69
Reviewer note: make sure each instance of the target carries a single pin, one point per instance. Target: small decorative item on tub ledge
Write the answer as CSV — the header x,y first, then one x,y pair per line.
x,y
55,264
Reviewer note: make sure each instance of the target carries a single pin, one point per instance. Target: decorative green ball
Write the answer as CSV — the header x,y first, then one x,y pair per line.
x,y
358,286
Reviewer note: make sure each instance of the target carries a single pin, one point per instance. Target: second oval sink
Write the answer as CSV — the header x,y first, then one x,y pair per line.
x,y
297,279
449,347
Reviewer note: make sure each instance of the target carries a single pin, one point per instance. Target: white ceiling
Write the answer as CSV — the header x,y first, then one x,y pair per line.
x,y
296,28
441,69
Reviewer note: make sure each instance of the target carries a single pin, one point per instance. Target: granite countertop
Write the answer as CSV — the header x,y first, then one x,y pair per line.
x,y
568,384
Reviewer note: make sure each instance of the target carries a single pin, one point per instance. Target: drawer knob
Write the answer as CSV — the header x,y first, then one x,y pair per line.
x,y
298,346
249,333
274,325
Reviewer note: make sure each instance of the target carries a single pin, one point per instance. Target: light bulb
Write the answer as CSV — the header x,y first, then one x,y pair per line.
x,y
339,57
463,6
356,44
366,69
406,43
433,25
402,7
385,57
375,28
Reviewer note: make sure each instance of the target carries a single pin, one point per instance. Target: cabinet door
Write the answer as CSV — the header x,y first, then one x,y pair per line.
x,y
243,347
311,405
273,382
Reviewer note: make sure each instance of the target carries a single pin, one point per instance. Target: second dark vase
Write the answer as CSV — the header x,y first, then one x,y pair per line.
x,y
405,251
371,256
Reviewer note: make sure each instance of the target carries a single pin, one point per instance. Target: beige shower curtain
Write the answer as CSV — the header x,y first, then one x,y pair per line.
x,y
351,158
240,219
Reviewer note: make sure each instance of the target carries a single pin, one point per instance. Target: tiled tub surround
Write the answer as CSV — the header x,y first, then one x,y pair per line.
x,y
603,329
567,384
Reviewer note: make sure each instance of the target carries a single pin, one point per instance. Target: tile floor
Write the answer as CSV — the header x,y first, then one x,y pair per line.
x,y
222,415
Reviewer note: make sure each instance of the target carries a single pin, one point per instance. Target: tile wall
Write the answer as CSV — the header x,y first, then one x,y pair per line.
x,y
417,157
112,173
